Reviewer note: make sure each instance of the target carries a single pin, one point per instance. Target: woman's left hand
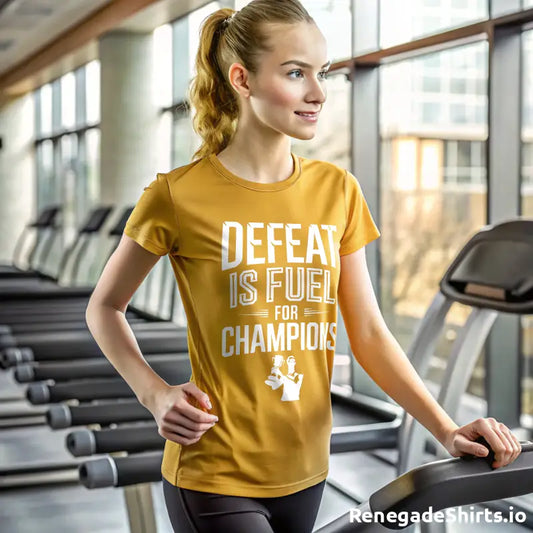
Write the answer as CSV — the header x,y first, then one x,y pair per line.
x,y
505,445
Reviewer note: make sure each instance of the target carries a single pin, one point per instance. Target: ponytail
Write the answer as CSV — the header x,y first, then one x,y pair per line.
x,y
226,37
211,94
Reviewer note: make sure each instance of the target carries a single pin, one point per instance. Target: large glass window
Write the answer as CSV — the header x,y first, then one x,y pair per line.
x,y
92,96
164,75
46,185
527,210
68,100
44,121
335,21
527,123
162,61
92,161
464,164
67,147
433,184
67,174
411,19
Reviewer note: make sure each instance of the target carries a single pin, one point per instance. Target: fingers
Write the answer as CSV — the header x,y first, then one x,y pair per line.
x,y
505,445
193,390
182,434
175,417
180,401
183,407
183,423
463,445
511,440
177,427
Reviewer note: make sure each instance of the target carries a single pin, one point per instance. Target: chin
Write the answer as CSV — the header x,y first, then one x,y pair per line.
x,y
303,136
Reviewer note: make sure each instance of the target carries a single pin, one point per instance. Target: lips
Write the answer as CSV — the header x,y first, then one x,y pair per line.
x,y
307,113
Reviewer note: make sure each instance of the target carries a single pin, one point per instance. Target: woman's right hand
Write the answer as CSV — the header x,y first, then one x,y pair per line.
x,y
177,419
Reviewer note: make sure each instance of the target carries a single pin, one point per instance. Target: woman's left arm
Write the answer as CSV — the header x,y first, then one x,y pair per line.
x,y
378,352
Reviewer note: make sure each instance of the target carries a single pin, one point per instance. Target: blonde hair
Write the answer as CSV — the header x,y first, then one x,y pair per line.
x,y
226,37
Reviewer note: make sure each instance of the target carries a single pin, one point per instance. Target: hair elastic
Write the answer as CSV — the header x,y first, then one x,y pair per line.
x,y
227,20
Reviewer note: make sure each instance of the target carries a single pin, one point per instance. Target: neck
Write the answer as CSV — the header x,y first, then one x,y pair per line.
x,y
258,158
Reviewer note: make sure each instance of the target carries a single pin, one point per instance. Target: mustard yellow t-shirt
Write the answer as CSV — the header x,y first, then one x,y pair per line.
x,y
257,267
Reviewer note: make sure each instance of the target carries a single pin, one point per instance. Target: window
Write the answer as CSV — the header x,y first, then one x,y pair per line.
x,y
464,163
44,121
431,112
527,174
46,193
404,21
162,64
527,210
335,21
334,18
432,188
431,85
92,88
458,85
458,113
66,151
68,100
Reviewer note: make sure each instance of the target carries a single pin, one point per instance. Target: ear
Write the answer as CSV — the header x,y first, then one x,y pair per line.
x,y
238,77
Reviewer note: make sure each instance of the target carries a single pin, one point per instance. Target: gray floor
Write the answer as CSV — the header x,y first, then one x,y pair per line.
x,y
76,509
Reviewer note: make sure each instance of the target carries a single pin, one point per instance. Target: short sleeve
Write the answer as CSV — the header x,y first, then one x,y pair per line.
x,y
153,222
360,227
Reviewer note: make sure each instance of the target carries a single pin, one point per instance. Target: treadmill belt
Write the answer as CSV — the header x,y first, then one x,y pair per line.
x,y
348,415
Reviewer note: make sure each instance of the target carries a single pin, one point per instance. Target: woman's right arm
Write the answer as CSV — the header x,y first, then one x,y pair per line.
x,y
176,418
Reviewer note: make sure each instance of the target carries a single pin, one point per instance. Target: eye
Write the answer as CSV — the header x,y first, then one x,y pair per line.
x,y
323,74
297,71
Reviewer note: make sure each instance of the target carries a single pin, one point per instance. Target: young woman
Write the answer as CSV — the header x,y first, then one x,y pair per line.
x,y
262,243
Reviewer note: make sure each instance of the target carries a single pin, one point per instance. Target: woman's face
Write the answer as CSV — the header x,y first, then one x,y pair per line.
x,y
291,80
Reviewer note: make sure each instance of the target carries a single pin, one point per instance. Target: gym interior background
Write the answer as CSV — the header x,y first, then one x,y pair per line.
x,y
430,105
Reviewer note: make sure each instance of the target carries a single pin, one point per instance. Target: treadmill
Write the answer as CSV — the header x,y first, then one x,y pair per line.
x,y
28,286
45,227
35,309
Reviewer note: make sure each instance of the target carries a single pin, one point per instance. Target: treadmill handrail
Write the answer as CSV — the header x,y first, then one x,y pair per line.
x,y
454,482
439,485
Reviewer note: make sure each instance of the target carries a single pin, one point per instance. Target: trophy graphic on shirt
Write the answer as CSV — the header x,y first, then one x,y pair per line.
x,y
291,382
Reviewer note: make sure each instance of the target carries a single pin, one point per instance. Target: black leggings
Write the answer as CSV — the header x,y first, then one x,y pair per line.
x,y
192,511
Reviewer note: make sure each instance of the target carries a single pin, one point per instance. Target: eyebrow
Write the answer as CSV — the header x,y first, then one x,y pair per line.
x,y
302,64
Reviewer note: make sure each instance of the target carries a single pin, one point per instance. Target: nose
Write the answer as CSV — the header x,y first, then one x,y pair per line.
x,y
317,92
